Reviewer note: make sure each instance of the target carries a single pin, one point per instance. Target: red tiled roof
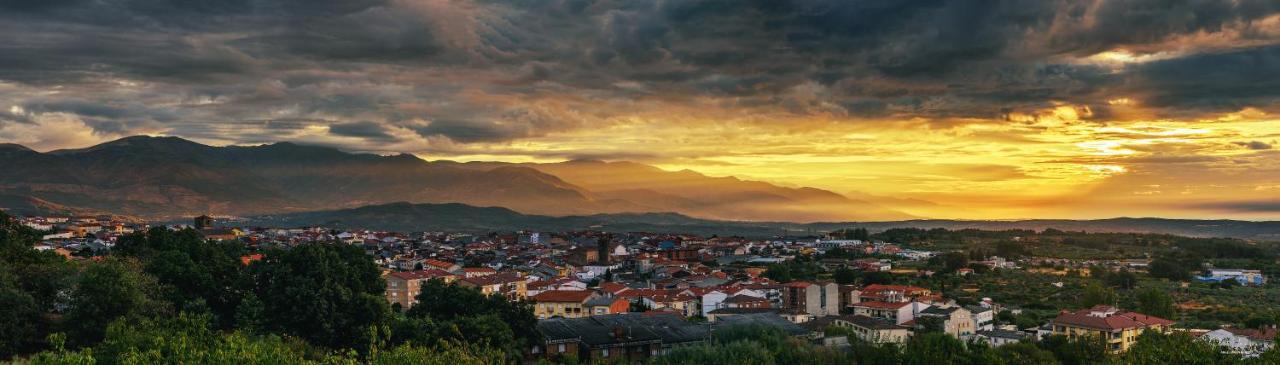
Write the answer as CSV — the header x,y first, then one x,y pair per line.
x,y
613,288
494,279
438,263
563,296
420,274
882,305
1117,321
478,269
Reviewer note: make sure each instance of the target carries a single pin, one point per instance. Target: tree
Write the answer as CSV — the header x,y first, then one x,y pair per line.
x,y
1156,303
1154,347
1076,351
504,324
1024,353
1010,249
934,348
107,291
19,318
1095,294
329,295
1123,279
845,276
195,273
1173,267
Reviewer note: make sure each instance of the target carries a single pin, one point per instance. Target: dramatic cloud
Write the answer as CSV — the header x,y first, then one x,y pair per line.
x,y
963,101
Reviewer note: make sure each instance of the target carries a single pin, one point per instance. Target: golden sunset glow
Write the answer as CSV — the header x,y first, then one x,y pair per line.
x,y
1058,110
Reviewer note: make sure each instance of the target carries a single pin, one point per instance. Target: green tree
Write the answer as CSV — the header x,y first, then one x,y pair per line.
x,y
1178,348
107,291
845,276
1157,303
934,348
465,314
1076,351
327,294
19,318
1024,353
195,273
1095,294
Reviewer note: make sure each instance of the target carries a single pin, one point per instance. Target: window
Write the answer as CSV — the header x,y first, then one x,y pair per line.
x,y
560,348
604,352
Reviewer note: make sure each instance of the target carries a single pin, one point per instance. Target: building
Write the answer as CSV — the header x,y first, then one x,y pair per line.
x,y
997,338
472,272
599,306
623,338
891,293
403,287
955,321
983,317
202,222
898,312
873,330
1241,276
1247,342
509,285
815,299
1119,329
563,303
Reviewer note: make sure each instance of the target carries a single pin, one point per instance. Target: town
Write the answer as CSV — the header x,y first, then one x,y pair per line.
x,y
634,297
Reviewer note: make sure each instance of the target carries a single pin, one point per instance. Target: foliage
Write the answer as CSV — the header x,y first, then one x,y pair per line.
x,y
1156,303
1177,348
1096,294
107,291
329,295
1076,351
195,273
453,312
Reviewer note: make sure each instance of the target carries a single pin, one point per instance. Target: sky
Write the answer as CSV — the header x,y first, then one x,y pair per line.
x,y
982,108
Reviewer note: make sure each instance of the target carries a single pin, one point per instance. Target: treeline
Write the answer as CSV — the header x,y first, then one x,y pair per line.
x,y
173,296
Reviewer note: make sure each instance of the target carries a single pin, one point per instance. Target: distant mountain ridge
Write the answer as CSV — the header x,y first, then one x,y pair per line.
x,y
408,217
168,177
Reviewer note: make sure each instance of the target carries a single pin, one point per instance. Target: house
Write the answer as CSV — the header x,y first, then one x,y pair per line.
x,y
983,317
471,272
956,321
1119,329
562,303
746,301
1247,342
818,299
997,338
718,314
1241,276
891,293
898,312
441,265
599,306
873,330
510,285
403,287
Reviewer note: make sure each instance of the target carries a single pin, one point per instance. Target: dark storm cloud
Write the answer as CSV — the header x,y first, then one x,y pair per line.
x,y
364,129
1216,81
359,65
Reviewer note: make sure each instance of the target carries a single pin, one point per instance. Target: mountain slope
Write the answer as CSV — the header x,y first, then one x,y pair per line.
x,y
171,177
407,217
709,197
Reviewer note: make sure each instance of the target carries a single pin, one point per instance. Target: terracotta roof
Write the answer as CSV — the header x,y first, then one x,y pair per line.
x,y
420,274
744,299
563,296
613,288
1266,334
478,269
438,263
1114,322
882,305
494,279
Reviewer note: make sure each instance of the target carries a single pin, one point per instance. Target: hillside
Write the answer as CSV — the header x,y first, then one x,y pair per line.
x,y
169,177
458,217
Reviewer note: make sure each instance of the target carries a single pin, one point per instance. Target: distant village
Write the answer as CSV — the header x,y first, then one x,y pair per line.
x,y
605,296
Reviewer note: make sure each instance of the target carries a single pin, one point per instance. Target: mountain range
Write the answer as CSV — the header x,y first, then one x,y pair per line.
x,y
406,217
170,177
